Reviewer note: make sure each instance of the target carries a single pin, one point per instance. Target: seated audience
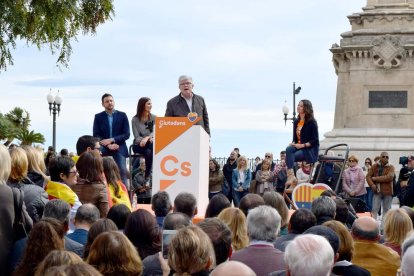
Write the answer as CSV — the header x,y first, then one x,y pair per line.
x,y
300,221
232,268
79,269
276,200
324,209
217,203
186,203
407,267
91,187
86,143
408,242
36,170
329,234
86,215
410,213
142,185
161,205
98,227
369,253
236,221
113,254
220,236
46,235
250,201
191,252
117,190
397,225
302,174
343,265
263,225
119,214
343,214
57,258
142,230
215,180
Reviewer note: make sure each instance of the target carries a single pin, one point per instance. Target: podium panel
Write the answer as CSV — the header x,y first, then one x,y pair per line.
x,y
181,159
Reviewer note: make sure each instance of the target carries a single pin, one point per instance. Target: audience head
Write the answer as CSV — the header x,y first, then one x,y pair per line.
x,y
57,258
87,143
186,203
276,200
249,202
220,236
323,208
191,251
214,166
309,254
326,232
346,243
410,212
161,204
113,254
342,211
36,163
329,193
142,230
217,203
263,224
236,221
45,236
301,220
408,242
175,221
407,267
397,225
58,209
112,174
242,163
19,165
63,169
80,269
365,228
5,162
98,227
90,166
119,214
86,215
232,268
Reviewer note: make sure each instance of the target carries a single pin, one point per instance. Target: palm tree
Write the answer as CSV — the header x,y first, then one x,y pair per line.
x,y
27,137
7,130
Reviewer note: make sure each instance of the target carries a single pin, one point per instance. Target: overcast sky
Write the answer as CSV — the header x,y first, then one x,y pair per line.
x,y
243,56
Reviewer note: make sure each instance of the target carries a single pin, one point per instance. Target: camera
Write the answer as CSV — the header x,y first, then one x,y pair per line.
x,y
403,161
150,125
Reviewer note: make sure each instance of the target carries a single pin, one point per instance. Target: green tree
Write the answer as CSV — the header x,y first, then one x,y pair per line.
x,y
49,22
27,137
7,130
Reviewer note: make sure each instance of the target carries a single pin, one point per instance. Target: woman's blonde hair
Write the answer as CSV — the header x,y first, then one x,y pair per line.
x,y
276,200
36,160
265,161
236,221
397,225
19,164
57,258
346,245
191,251
239,166
5,166
353,157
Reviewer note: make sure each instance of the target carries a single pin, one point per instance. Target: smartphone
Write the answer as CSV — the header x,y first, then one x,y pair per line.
x,y
167,236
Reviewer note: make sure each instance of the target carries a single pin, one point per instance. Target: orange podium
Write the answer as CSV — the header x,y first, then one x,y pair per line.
x,y
181,158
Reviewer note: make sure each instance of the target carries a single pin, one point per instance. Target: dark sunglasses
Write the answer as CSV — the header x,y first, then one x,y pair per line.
x,y
352,160
267,156
385,156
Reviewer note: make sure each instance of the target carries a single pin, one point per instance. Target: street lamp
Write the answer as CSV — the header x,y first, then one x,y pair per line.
x,y
54,108
285,108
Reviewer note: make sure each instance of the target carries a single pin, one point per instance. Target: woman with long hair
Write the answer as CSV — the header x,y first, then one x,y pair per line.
x,y
305,143
100,226
113,254
369,195
264,178
57,258
217,203
215,179
241,178
143,130
397,226
142,230
117,190
236,221
37,168
276,200
91,187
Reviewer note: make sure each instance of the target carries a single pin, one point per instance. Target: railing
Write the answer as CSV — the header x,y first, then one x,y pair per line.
x,y
250,161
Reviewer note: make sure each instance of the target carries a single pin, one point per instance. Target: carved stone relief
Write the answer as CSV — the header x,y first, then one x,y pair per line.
x,y
387,52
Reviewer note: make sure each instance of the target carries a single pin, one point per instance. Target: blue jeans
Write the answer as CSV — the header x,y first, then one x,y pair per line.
x,y
237,196
120,160
294,155
368,198
386,201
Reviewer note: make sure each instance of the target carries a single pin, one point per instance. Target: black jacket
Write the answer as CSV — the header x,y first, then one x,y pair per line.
x,y
308,134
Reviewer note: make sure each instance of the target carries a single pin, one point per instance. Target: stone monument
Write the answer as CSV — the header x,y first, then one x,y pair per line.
x,y
374,62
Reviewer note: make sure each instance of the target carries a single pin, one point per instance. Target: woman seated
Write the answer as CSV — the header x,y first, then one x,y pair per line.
x,y
303,173
117,190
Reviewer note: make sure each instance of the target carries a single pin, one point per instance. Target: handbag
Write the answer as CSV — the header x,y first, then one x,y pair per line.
x,y
19,225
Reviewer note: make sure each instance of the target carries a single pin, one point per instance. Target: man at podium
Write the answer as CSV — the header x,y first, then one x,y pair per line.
x,y
187,103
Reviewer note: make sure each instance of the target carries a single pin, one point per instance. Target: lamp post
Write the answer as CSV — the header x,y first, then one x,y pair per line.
x,y
54,108
285,108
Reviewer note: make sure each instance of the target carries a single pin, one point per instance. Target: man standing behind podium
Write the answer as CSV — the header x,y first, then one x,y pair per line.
x,y
187,102
112,128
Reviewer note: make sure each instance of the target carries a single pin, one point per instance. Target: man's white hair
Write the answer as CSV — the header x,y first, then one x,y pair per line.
x,y
309,255
407,267
184,77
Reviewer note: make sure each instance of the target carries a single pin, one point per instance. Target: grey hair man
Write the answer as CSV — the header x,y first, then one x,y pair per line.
x,y
220,236
369,253
186,203
187,102
407,267
86,215
324,209
263,225
309,255
232,268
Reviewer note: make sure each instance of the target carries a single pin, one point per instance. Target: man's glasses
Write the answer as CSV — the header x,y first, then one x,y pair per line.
x,y
385,156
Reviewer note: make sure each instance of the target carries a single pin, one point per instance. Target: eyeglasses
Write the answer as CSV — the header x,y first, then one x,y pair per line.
x,y
367,162
385,157
74,172
268,156
352,160
186,83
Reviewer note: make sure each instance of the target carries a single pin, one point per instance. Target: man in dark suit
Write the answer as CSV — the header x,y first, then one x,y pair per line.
x,y
85,216
112,128
188,102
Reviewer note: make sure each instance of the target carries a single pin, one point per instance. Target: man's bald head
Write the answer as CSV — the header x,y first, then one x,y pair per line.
x,y
365,228
233,268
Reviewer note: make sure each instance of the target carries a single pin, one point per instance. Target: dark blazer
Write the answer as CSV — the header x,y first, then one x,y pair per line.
x,y
120,130
178,107
308,134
